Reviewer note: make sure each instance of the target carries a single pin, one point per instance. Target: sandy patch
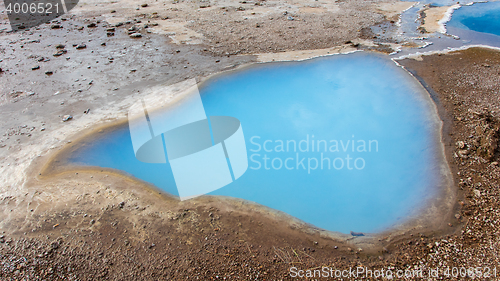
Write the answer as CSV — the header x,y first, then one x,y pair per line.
x,y
178,32
436,18
392,10
304,54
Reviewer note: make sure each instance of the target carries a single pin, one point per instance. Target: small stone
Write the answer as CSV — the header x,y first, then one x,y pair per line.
x,y
81,46
49,72
477,193
42,129
494,163
121,205
103,44
460,144
463,153
60,46
56,26
55,225
135,35
93,24
144,5
457,216
113,11
35,67
92,221
67,118
60,53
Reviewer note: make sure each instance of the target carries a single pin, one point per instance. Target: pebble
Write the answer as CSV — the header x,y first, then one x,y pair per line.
x,y
35,67
135,35
67,118
81,46
60,53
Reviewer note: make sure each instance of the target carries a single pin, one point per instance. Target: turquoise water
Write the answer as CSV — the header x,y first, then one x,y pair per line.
x,y
480,17
334,100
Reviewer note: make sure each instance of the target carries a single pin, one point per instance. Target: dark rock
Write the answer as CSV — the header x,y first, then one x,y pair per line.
x,y
60,46
35,67
93,24
144,5
49,72
60,53
81,46
56,26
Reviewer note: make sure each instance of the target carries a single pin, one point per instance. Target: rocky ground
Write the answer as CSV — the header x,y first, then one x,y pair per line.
x,y
88,225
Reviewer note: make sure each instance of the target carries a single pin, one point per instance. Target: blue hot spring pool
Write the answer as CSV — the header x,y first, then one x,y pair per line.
x,y
478,23
345,143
